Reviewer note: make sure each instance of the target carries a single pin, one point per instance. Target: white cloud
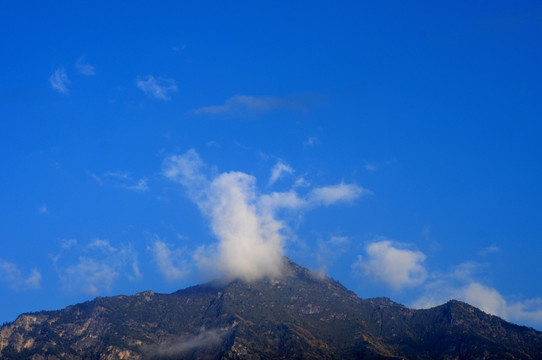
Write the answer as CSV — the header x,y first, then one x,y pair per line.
x,y
394,266
328,195
250,244
245,221
60,81
97,267
10,274
84,68
158,88
278,171
169,261
246,104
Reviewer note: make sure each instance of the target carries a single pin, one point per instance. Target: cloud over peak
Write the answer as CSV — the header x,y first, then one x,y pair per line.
x,y
244,220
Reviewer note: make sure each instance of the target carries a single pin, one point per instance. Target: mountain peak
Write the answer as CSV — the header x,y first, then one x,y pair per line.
x,y
298,315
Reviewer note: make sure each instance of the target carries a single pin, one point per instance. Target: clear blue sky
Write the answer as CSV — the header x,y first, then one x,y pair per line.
x,y
152,145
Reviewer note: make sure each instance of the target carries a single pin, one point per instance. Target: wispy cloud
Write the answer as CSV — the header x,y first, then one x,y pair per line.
x,y
121,179
188,344
489,250
249,105
370,167
329,250
278,171
170,262
311,141
244,220
59,80
159,88
392,265
10,274
95,267
84,68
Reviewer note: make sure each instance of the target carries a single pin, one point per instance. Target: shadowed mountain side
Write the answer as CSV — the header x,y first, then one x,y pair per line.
x,y
298,316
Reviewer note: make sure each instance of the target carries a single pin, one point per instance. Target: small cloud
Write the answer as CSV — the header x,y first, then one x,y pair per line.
x,y
43,209
301,182
158,88
489,250
60,81
394,266
140,186
370,167
278,171
84,68
246,105
311,141
102,245
213,144
178,49
328,195
10,274
169,261
117,174
187,344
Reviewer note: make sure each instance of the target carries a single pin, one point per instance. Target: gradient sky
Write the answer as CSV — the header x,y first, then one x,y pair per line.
x,y
394,147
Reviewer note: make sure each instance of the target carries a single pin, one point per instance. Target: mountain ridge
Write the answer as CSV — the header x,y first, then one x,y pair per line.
x,y
301,315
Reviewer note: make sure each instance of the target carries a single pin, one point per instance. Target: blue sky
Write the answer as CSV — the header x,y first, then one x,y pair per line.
x,y
394,147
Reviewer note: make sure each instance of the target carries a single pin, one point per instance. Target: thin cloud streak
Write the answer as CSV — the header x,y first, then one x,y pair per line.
x,y
247,104
59,81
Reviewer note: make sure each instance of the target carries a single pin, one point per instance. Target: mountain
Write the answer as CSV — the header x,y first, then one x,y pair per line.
x,y
300,316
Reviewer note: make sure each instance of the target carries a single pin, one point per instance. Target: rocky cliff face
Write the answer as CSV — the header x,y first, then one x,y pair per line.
x,y
297,316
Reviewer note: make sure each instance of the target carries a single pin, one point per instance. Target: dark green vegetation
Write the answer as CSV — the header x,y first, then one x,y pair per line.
x,y
298,316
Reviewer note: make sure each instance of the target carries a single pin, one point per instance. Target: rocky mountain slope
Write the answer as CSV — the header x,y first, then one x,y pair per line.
x,y
299,316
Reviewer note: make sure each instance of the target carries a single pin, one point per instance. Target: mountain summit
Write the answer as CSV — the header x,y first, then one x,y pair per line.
x,y
300,315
